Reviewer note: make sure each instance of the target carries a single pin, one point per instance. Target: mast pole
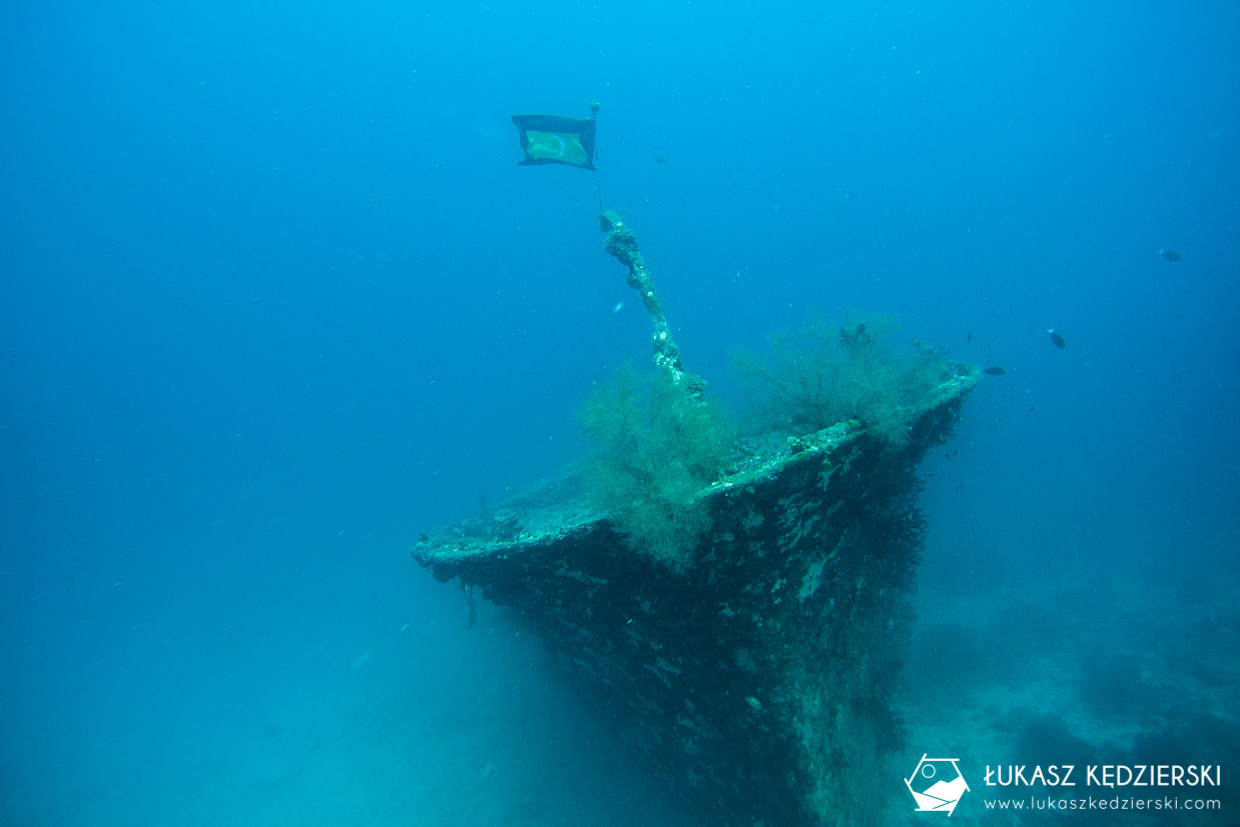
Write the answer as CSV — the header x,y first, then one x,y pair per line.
x,y
621,242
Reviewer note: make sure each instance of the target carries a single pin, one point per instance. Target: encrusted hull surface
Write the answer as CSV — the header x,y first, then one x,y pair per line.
x,y
757,684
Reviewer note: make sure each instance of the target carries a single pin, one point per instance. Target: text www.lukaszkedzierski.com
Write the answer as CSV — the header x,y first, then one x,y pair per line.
x,y
1091,803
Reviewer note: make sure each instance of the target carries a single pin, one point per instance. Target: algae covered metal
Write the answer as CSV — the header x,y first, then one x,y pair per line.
x,y
756,681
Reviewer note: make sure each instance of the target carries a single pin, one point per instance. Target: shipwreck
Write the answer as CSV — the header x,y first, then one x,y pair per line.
x,y
757,680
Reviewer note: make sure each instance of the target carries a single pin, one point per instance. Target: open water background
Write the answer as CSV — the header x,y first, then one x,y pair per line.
x,y
274,297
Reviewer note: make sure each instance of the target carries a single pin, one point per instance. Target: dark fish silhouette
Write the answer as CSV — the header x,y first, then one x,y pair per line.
x,y
994,370
1170,255
1056,339
661,160
852,339
969,338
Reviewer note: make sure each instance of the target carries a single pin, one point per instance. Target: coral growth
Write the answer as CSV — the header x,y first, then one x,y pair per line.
x,y
826,374
658,447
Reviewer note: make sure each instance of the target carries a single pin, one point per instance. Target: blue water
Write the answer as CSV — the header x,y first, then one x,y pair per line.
x,y
276,298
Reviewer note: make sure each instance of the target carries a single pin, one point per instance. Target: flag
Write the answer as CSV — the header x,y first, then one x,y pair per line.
x,y
550,139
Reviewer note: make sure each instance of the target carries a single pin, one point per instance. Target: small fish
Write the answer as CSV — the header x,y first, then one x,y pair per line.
x,y
1170,255
661,160
994,370
852,339
969,338
1056,339
619,306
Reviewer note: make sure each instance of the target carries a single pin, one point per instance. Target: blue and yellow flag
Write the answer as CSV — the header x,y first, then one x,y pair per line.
x,y
550,139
